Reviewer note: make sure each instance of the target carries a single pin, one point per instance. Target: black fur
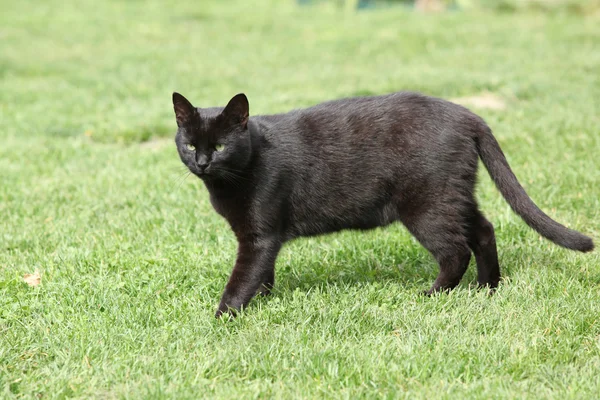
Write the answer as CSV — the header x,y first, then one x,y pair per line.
x,y
356,163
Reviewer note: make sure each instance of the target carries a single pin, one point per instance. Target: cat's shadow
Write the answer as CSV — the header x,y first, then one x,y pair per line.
x,y
410,269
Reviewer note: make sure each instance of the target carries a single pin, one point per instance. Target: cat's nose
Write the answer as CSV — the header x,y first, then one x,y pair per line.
x,y
202,162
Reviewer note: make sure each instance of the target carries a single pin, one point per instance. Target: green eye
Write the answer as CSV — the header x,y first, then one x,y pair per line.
x,y
219,147
190,147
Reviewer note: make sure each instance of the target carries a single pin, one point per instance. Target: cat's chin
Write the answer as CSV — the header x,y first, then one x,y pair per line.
x,y
204,175
207,176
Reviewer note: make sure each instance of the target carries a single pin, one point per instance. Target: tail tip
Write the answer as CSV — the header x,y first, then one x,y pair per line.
x,y
586,245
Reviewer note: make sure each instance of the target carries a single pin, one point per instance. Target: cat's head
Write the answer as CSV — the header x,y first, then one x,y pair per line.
x,y
214,143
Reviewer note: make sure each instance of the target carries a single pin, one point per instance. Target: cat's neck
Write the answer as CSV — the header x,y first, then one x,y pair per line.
x,y
261,124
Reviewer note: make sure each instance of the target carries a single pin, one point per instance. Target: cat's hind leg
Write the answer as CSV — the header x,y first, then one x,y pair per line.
x,y
482,241
441,230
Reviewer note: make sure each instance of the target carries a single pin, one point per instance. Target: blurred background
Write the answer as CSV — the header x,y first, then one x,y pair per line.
x,y
108,68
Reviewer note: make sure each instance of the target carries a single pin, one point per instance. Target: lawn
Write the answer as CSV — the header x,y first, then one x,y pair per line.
x,y
133,259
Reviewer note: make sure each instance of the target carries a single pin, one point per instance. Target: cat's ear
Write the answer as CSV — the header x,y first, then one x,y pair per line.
x,y
236,110
184,110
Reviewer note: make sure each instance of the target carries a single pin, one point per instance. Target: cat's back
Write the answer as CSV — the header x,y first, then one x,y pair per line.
x,y
404,101
400,112
385,122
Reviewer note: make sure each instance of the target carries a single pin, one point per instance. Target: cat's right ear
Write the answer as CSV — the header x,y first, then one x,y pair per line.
x,y
184,110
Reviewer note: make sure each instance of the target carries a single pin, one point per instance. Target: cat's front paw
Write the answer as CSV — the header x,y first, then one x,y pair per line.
x,y
228,306
226,311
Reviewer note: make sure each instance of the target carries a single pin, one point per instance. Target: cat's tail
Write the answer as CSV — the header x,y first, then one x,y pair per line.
x,y
494,160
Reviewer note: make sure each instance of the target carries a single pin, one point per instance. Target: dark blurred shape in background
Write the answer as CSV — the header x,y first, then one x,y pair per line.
x,y
557,6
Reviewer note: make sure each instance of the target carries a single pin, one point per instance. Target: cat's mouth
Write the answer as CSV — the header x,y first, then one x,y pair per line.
x,y
203,173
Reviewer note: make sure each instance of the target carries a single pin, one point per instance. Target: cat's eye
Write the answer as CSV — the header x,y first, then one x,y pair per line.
x,y
219,147
190,147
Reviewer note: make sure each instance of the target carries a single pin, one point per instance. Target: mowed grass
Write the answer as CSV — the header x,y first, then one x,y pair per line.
x,y
133,259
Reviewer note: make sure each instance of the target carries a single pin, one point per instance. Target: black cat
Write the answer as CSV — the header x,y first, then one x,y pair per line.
x,y
356,163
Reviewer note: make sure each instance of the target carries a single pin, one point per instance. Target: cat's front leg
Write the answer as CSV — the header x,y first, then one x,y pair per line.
x,y
265,288
254,267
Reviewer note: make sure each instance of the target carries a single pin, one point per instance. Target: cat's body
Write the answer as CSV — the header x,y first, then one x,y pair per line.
x,y
355,163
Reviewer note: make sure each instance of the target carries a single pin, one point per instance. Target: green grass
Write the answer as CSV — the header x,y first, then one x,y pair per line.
x,y
133,260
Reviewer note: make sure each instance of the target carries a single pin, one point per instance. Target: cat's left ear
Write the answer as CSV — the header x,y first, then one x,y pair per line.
x,y
236,110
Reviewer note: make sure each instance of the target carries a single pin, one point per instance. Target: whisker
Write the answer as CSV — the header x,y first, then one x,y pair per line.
x,y
234,170
231,179
240,176
178,181
183,180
